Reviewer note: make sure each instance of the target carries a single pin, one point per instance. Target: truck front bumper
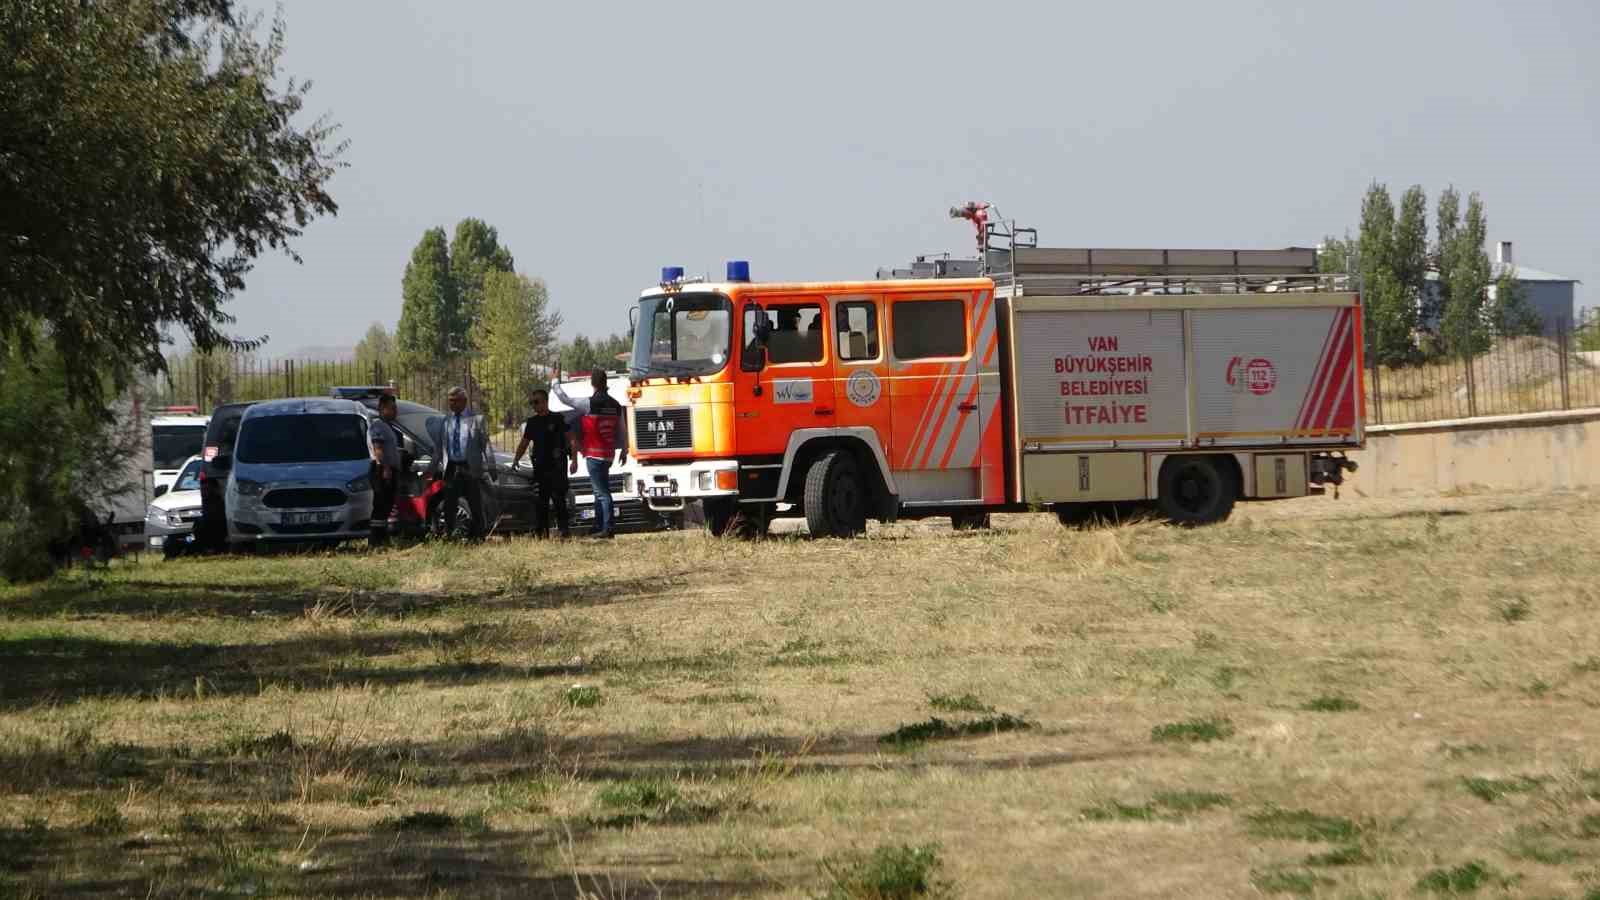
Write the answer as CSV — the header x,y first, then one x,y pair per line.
x,y
666,488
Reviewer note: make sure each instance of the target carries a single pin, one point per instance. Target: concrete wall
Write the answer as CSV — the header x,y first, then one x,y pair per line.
x,y
1540,451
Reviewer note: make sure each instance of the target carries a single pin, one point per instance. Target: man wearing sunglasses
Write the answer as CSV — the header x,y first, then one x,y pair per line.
x,y
550,440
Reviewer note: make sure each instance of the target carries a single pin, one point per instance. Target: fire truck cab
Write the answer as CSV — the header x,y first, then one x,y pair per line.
x,y
1050,384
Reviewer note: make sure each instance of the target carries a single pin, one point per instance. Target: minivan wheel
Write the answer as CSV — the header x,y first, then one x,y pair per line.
x,y
1197,490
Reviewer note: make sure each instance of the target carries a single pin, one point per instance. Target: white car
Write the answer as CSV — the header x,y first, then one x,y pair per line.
x,y
172,514
300,471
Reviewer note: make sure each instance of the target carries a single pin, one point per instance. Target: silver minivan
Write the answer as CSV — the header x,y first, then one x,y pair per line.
x,y
301,471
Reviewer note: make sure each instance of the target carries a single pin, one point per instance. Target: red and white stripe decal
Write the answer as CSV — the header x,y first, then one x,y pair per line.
x,y
1330,387
950,427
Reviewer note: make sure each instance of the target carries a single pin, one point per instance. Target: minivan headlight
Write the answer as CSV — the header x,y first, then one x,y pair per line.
x,y
248,488
358,485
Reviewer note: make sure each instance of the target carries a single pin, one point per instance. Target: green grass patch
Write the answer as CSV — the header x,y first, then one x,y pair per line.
x,y
804,653
1302,825
1542,852
1351,855
639,793
583,696
1589,826
1114,810
1331,703
256,746
894,872
1467,878
1515,610
1192,731
1491,789
936,729
1287,881
1164,806
964,703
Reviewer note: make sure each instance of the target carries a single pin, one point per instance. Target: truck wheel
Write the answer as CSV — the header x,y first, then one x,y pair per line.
x,y
836,497
970,520
1079,515
718,515
1197,490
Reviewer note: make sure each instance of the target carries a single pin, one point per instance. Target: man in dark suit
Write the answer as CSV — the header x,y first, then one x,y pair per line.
x,y
461,457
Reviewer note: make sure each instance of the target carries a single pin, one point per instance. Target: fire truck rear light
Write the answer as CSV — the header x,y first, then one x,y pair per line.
x,y
738,270
727,480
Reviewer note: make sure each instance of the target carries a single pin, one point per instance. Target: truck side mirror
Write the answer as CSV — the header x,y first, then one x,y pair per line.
x,y
160,489
633,321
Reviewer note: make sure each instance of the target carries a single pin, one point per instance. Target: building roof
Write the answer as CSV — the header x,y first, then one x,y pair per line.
x,y
1524,273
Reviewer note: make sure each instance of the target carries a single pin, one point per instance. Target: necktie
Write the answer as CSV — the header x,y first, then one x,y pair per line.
x,y
456,437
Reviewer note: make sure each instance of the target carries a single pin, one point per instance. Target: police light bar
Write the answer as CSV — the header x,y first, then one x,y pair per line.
x,y
671,274
738,270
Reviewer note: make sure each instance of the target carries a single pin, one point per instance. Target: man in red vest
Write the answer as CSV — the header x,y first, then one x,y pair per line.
x,y
601,432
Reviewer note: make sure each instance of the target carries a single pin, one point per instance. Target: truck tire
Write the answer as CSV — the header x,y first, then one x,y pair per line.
x,y
970,520
836,496
718,515
1197,490
1079,515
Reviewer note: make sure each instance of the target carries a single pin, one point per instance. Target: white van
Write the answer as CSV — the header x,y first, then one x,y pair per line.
x,y
630,512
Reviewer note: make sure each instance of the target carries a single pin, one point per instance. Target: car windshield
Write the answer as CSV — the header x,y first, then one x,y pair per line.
x,y
682,335
170,445
188,479
313,438
224,428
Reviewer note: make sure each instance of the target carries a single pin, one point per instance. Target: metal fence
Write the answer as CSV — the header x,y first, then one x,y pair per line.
x,y
1559,370
204,382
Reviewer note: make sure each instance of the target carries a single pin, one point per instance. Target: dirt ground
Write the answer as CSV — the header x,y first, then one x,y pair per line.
x,y
1352,698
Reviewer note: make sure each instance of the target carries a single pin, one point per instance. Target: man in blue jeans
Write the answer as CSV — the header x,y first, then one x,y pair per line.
x,y
601,432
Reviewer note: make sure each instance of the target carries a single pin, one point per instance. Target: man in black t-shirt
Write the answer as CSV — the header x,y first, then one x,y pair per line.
x,y
550,441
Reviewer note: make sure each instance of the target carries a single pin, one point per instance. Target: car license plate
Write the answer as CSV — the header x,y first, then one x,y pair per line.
x,y
670,490
311,518
586,513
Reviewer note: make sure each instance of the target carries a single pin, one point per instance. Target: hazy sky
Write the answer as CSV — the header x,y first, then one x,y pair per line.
x,y
825,139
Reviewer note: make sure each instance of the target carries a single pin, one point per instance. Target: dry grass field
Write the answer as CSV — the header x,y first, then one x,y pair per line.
x,y
1346,699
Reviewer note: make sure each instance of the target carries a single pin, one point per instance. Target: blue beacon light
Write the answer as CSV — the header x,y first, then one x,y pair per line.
x,y
670,274
738,270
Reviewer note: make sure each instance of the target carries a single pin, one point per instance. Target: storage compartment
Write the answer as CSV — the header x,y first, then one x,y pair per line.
x,y
1280,475
1074,477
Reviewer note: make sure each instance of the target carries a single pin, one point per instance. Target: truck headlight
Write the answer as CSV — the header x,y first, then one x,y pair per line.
x,y
702,481
174,520
154,516
247,488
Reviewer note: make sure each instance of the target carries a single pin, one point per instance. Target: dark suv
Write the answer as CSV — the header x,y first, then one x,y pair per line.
x,y
211,532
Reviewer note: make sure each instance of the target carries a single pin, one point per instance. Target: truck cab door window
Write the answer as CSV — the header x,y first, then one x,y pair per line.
x,y
796,333
858,331
929,329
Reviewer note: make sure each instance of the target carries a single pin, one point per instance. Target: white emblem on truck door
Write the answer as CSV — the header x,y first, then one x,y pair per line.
x,y
791,390
863,387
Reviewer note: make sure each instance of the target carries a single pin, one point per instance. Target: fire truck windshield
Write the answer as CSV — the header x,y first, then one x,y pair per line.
x,y
682,335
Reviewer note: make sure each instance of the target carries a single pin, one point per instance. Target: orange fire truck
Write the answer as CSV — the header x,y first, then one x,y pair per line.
x,y
1030,378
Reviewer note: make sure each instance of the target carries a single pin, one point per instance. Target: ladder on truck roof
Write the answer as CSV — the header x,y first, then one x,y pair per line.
x,y
1017,264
